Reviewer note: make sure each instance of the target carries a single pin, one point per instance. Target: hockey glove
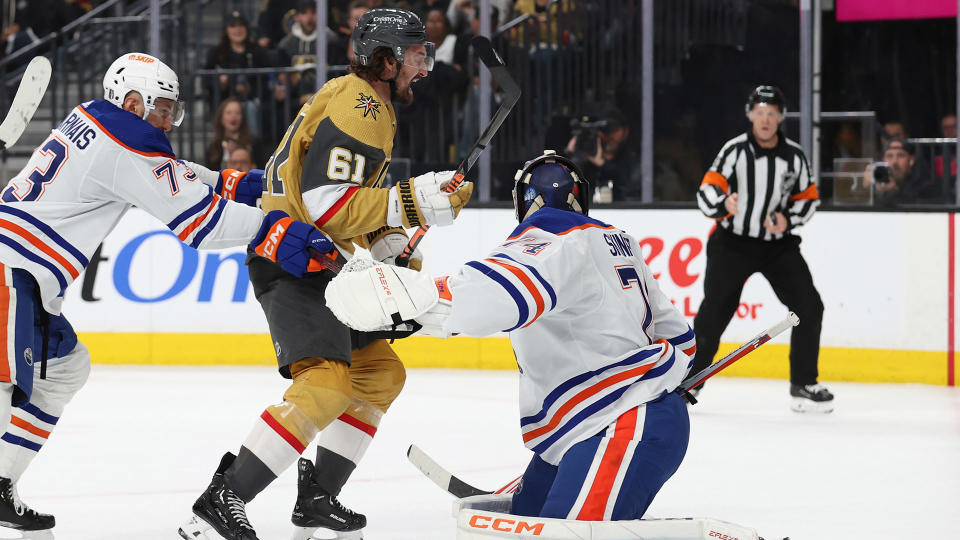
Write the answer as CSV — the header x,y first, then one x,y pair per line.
x,y
422,201
288,242
243,187
387,243
375,297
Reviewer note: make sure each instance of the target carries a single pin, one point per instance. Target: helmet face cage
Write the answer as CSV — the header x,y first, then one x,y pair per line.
x,y
771,95
528,194
149,77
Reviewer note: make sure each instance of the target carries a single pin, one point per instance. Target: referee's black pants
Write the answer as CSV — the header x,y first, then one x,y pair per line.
x,y
731,259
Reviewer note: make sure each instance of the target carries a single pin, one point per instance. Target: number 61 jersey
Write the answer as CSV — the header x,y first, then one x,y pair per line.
x,y
94,166
593,334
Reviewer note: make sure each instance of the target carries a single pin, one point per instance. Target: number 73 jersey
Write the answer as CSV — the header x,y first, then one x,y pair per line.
x,y
330,165
593,334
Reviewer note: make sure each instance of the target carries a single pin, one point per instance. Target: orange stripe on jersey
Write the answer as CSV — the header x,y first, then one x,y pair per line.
x,y
561,233
528,283
39,244
336,207
118,141
196,223
583,395
713,178
809,194
4,321
691,351
27,426
3,275
359,424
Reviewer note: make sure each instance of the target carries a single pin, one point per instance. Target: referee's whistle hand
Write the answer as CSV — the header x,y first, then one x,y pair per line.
x,y
730,203
777,228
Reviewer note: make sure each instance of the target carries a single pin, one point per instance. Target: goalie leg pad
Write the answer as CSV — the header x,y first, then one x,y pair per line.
x,y
474,524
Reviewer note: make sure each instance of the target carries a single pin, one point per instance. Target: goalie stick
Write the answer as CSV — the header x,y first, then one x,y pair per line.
x,y
460,489
698,378
511,94
33,85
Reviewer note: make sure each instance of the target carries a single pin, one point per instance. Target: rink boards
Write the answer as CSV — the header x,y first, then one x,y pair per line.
x,y
888,282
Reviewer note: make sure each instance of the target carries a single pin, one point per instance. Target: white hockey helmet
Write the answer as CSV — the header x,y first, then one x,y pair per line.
x,y
147,75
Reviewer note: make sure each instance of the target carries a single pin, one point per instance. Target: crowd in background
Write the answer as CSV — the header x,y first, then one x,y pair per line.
x,y
904,71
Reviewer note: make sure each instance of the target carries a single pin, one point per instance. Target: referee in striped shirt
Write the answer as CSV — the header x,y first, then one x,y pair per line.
x,y
759,189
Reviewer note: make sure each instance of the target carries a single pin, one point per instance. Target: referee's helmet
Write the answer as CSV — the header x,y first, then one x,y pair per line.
x,y
771,95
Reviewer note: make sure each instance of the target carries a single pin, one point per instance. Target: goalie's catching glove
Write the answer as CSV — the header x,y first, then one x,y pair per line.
x,y
243,187
370,296
288,243
422,201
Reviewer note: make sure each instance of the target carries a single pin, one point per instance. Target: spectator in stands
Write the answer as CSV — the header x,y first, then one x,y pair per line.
x,y
32,21
236,50
948,130
355,10
901,180
231,130
241,159
273,22
451,50
599,146
299,47
892,129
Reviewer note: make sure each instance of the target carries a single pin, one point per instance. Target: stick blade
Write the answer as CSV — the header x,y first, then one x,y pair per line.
x,y
32,87
440,476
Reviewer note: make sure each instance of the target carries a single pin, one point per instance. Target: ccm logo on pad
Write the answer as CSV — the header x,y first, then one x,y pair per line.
x,y
505,525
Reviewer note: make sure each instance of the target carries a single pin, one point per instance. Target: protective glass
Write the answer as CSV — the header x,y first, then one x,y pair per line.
x,y
420,58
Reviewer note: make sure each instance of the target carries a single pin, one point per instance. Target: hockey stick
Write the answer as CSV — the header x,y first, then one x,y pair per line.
x,y
33,85
446,480
698,378
332,261
511,94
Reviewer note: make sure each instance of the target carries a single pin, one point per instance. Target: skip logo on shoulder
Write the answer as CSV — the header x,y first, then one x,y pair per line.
x,y
369,105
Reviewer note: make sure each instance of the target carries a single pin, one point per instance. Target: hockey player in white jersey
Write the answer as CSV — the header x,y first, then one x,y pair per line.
x,y
105,157
599,347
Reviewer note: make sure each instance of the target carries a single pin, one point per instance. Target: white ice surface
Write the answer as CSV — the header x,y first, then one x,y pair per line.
x,y
138,444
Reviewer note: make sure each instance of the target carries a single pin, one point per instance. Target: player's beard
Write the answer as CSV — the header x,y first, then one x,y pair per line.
x,y
398,95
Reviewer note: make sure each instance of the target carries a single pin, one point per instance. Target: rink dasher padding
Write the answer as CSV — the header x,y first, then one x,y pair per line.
x,y
888,282
769,361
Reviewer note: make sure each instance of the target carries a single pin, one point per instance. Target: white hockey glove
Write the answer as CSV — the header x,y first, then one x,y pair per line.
x,y
387,243
433,319
422,201
370,296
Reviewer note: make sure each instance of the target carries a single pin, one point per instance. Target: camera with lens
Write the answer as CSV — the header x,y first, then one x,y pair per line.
x,y
586,129
880,172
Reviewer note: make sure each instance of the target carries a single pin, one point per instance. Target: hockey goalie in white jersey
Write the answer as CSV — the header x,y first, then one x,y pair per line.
x,y
599,347
103,158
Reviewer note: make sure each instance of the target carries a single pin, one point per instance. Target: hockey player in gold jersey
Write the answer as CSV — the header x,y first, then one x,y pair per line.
x,y
329,169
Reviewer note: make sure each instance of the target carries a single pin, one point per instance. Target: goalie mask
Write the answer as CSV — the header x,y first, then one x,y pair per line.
x,y
148,76
550,180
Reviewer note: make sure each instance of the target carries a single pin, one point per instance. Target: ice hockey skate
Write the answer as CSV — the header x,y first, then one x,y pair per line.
x,y
219,514
16,515
811,398
316,510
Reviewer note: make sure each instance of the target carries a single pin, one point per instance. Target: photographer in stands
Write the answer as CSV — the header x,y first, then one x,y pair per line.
x,y
599,146
898,179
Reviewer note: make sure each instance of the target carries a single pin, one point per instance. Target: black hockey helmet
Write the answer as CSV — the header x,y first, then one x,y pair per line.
x,y
395,29
770,95
550,180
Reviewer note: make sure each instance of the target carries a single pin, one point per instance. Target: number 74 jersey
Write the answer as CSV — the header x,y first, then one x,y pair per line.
x,y
95,165
593,334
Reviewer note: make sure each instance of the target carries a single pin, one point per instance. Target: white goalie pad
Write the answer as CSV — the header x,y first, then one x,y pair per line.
x,y
475,524
371,296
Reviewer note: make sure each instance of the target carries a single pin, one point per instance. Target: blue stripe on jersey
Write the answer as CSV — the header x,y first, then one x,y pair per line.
x,y
31,256
648,318
47,230
554,220
587,412
661,369
553,296
202,233
574,381
20,441
190,212
40,415
517,297
685,337
128,128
